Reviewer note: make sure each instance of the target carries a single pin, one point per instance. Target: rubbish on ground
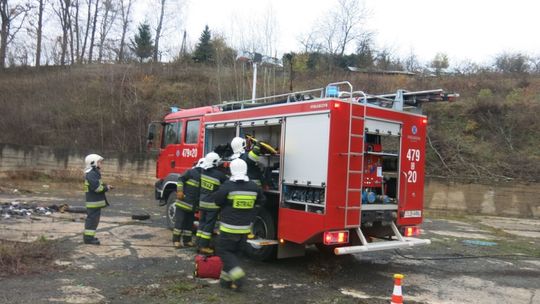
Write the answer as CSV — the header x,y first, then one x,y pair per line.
x,y
25,209
479,243
140,217
75,209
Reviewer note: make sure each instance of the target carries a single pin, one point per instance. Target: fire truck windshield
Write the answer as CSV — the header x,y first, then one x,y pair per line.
x,y
171,134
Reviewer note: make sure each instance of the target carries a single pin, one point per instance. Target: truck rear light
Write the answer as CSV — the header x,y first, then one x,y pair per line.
x,y
337,105
424,121
336,237
411,231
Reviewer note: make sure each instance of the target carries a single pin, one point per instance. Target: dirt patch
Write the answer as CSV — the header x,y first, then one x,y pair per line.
x,y
23,258
169,287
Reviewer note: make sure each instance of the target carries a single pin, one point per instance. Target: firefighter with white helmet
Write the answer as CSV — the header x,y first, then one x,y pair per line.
x,y
94,190
238,145
187,201
237,199
211,179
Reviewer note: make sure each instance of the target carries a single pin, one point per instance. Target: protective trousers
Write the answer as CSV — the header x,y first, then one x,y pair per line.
x,y
91,222
207,222
183,225
228,246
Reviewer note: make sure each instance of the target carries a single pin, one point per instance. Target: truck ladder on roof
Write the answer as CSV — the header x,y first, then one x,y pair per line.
x,y
401,98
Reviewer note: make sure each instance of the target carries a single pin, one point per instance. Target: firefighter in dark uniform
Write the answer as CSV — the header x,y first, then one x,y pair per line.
x,y
237,199
211,179
238,145
94,190
187,201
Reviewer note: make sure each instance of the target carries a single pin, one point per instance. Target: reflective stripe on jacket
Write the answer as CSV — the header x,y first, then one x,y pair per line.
x,y
237,200
211,180
95,190
189,183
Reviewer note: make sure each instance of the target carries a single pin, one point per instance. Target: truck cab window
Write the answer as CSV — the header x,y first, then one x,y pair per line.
x,y
192,132
171,134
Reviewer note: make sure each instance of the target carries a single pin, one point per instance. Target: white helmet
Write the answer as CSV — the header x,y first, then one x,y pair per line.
x,y
238,170
238,145
91,161
200,163
211,160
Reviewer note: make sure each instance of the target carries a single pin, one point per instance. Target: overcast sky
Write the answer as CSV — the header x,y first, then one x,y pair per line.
x,y
474,30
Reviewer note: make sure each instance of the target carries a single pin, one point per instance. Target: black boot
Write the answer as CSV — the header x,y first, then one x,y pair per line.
x,y
225,284
92,241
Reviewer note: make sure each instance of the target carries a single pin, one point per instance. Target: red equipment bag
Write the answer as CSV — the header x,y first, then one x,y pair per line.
x,y
208,266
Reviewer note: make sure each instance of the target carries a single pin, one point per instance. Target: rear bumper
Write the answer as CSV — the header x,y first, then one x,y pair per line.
x,y
383,245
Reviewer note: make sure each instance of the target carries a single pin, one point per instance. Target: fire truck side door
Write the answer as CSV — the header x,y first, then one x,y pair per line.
x,y
191,149
170,146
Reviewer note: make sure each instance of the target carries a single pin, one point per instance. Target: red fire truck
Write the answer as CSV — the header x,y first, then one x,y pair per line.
x,y
349,172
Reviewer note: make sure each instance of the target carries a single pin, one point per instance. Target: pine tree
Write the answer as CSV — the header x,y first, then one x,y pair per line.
x,y
204,52
142,44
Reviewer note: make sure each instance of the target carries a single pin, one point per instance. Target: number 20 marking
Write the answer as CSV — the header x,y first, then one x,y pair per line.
x,y
411,176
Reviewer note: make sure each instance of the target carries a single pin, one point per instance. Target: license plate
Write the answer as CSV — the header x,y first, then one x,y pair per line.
x,y
412,213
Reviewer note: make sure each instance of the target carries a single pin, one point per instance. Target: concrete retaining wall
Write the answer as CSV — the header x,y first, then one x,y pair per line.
x,y
509,199
63,163
522,200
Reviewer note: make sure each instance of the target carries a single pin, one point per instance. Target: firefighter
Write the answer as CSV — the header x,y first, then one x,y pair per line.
x,y
211,179
238,145
237,199
187,202
94,190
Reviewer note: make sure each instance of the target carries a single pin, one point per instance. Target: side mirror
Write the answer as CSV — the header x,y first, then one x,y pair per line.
x,y
152,132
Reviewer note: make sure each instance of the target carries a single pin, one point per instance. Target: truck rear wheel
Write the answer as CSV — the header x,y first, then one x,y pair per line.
x,y
264,227
171,209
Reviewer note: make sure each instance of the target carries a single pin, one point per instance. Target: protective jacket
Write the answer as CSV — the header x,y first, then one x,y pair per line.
x,y
251,158
189,183
211,180
95,190
237,200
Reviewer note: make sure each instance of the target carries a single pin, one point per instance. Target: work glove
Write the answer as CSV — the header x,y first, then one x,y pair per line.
x,y
180,195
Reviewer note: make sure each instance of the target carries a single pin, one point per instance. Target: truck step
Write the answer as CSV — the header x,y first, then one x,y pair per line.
x,y
383,245
258,243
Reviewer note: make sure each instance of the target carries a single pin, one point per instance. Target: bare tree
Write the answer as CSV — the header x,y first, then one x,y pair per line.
x,y
158,30
125,11
76,31
310,43
93,35
87,29
39,32
70,23
63,12
8,14
336,31
109,15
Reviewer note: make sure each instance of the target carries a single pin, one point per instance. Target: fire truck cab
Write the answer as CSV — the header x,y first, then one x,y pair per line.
x,y
348,175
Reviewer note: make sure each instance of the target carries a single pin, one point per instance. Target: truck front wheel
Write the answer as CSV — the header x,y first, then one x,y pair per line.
x,y
264,228
171,209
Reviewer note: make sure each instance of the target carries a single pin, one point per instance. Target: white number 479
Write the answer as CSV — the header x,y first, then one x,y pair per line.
x,y
413,154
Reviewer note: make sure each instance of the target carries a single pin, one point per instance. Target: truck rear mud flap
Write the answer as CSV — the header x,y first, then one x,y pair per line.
x,y
400,242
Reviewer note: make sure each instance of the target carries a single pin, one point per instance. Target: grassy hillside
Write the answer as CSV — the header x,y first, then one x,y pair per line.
x,y
492,132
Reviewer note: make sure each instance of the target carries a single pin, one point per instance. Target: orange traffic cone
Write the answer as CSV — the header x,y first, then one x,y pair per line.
x,y
397,297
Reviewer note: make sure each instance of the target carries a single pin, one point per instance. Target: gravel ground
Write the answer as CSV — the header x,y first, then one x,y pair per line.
x,y
472,259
